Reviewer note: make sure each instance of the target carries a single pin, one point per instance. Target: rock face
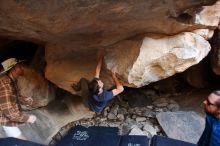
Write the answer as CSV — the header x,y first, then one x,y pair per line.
x,y
32,84
73,30
186,126
52,118
137,63
145,41
91,23
204,17
162,57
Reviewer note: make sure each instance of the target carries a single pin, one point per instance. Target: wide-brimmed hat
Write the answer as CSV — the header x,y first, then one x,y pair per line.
x,y
9,64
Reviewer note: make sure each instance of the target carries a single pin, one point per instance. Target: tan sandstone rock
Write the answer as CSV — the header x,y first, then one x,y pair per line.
x,y
71,38
162,57
34,85
137,62
205,33
95,23
72,31
209,16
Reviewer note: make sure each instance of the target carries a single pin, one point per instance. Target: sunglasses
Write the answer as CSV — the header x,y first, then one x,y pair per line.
x,y
216,105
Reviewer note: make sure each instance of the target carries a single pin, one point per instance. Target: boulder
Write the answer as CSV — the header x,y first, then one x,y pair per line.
x,y
71,40
153,59
204,17
205,33
185,126
34,85
136,131
171,55
149,127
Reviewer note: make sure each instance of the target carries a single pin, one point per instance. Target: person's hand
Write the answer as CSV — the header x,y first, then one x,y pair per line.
x,y
32,119
101,53
113,70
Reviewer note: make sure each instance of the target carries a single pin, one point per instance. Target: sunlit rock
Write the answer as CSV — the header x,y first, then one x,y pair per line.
x,y
209,15
158,58
71,40
205,33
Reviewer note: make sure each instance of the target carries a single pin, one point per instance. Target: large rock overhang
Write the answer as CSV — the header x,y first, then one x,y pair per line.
x,y
72,32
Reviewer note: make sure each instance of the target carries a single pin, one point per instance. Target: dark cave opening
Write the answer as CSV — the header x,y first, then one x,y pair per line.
x,y
22,50
31,52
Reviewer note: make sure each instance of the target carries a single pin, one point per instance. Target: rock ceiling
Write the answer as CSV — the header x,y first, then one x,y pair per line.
x,y
147,40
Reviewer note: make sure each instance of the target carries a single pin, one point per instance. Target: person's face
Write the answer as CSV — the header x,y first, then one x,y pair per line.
x,y
211,105
19,70
100,84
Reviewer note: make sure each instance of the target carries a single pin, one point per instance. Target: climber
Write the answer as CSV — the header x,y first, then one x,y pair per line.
x,y
95,97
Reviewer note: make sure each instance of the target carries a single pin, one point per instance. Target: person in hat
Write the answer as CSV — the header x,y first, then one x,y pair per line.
x,y
95,97
211,133
10,99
